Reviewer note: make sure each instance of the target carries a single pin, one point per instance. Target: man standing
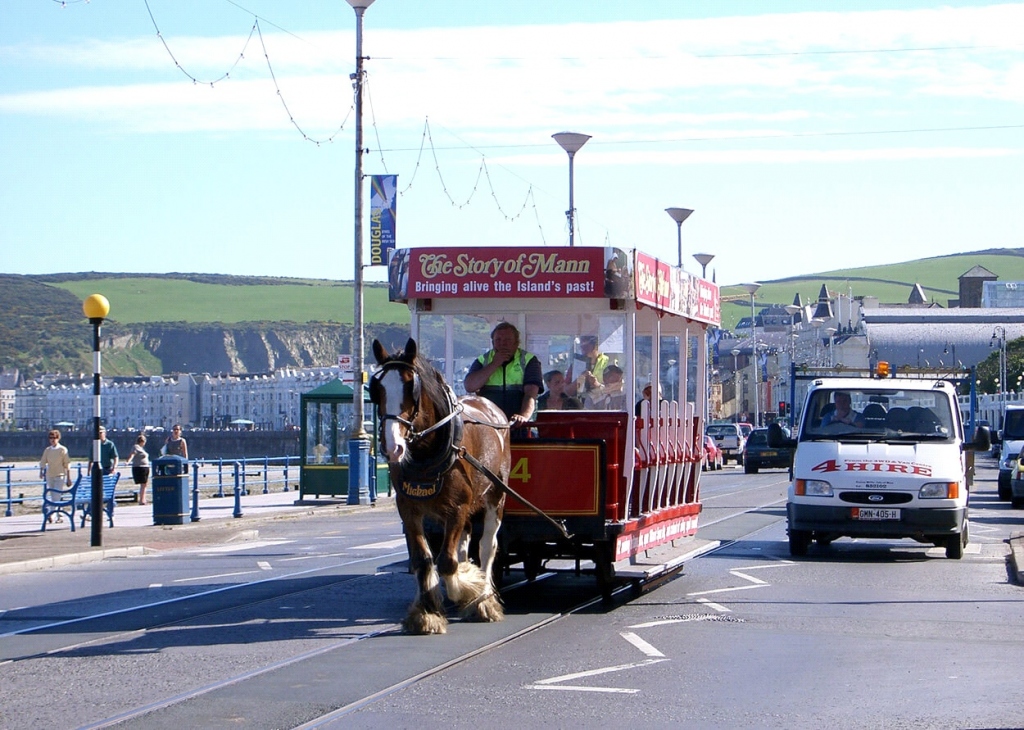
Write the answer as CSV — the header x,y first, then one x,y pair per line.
x,y
108,454
506,375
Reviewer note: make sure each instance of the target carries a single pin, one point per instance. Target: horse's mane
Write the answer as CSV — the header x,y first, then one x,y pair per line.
x,y
432,383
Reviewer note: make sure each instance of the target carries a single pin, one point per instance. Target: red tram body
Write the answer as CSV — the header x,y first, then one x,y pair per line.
x,y
625,482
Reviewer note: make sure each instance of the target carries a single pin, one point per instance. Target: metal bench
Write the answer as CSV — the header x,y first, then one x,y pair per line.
x,y
83,501
60,502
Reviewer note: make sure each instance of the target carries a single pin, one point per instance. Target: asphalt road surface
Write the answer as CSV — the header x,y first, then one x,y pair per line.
x,y
300,628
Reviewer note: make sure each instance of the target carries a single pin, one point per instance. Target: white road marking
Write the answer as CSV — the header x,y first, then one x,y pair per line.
x,y
211,577
387,545
234,548
725,590
640,644
940,552
156,585
752,579
311,557
556,682
716,606
263,565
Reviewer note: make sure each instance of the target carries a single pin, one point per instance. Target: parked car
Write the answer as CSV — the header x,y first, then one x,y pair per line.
x,y
759,455
713,458
729,438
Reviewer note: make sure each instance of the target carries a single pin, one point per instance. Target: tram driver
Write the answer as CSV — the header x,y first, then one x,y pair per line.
x,y
507,375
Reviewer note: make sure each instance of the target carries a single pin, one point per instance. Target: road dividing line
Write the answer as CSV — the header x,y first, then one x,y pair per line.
x,y
240,546
716,606
640,644
726,590
156,585
263,565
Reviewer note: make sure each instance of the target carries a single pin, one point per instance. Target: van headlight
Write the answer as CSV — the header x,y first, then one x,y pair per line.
x,y
812,488
939,490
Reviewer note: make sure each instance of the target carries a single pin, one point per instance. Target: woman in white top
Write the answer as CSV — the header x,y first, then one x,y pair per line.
x,y
139,459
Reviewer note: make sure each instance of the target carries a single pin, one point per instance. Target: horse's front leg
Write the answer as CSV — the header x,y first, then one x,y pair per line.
x,y
426,614
468,586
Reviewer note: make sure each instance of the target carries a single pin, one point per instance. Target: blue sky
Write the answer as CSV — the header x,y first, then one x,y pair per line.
x,y
806,136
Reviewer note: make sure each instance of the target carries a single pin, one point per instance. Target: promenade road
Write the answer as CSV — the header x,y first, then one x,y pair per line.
x,y
23,546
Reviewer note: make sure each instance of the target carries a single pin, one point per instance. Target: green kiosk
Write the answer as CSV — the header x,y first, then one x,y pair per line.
x,y
326,417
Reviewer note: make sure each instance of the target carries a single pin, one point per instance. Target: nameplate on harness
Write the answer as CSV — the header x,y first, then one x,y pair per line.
x,y
420,490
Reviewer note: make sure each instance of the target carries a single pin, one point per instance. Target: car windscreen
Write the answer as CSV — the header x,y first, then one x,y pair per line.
x,y
879,414
1013,425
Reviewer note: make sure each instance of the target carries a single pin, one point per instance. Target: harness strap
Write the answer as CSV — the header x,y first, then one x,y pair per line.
x,y
558,524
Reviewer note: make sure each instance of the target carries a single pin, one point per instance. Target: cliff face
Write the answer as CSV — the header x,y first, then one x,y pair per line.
x,y
250,348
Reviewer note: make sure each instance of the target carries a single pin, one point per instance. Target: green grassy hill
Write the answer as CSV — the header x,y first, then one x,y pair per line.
x,y
939,277
45,328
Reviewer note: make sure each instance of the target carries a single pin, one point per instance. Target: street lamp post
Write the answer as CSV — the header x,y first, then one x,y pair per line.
x,y
736,377
679,215
96,308
359,443
571,143
703,259
831,332
999,336
751,290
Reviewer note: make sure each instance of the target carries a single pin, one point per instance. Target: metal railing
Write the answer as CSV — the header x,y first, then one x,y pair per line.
x,y
209,477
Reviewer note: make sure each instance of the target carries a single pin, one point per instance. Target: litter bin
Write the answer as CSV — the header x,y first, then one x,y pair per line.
x,y
170,491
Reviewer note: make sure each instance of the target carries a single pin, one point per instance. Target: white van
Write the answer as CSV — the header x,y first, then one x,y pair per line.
x,y
890,464
1011,436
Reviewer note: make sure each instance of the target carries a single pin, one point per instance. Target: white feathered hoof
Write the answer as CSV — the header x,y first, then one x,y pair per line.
x,y
487,608
421,622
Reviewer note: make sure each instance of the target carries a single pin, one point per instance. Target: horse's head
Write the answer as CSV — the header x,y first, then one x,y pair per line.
x,y
395,390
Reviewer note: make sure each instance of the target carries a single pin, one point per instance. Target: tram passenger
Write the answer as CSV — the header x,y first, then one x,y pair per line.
x,y
555,398
596,363
507,375
611,396
646,396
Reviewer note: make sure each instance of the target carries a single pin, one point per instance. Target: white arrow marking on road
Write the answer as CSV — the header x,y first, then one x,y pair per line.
x,y
555,682
645,647
640,644
716,606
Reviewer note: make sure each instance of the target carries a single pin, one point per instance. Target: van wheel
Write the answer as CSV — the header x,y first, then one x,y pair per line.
x,y
1017,503
799,541
749,468
955,544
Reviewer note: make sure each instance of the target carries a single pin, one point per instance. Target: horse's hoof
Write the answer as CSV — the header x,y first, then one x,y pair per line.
x,y
487,609
421,623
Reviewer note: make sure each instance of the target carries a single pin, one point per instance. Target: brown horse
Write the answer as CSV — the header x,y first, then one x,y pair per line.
x,y
429,437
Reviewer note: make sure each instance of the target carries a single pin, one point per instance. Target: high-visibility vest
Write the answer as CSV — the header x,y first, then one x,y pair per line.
x,y
505,385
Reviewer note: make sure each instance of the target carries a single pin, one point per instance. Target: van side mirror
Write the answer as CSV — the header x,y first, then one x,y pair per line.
x,y
777,438
982,440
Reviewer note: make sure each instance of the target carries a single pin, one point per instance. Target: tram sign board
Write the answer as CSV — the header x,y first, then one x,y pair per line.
x,y
552,273
670,289
425,273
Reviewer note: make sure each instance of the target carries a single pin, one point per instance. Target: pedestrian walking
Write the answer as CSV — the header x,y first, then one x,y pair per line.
x,y
55,467
139,459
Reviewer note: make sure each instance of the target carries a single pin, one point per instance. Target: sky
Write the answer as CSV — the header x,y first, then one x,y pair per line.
x,y
154,136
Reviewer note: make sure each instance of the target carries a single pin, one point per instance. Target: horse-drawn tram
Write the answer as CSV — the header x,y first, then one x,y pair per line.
x,y
600,473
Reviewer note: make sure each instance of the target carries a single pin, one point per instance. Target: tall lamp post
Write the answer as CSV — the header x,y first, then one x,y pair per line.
x,y
571,143
703,259
359,442
736,378
751,289
679,215
831,332
999,336
96,308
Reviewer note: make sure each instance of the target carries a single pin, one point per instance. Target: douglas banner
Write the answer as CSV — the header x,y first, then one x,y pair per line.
x,y
383,190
